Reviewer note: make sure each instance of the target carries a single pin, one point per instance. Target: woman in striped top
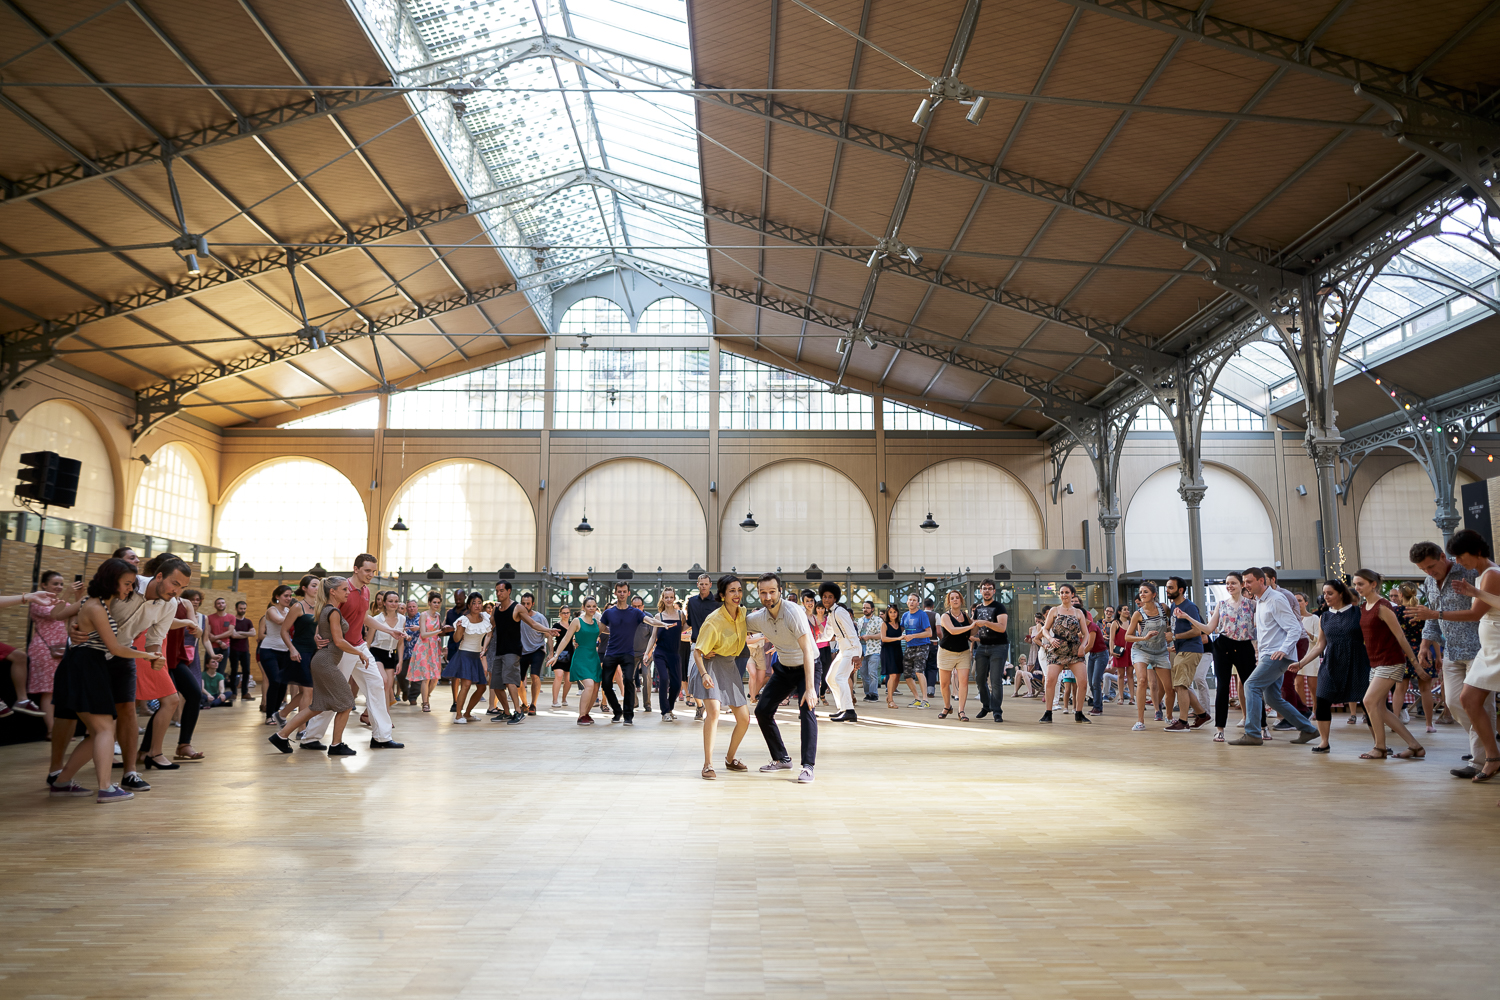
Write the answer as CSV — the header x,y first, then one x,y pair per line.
x,y
82,687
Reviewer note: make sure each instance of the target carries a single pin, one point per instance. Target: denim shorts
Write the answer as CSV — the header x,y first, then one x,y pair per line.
x,y
1155,659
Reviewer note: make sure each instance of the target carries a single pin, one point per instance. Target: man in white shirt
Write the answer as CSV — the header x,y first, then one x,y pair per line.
x,y
850,648
784,625
1277,629
151,609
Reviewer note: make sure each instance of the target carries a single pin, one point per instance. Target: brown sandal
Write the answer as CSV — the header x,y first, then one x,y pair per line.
x,y
1376,753
708,774
945,713
733,764
1418,752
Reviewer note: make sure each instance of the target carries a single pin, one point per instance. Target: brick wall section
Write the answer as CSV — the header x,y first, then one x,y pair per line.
x,y
15,578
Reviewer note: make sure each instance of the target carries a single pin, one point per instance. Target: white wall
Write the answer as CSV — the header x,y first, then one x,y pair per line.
x,y
807,512
1237,530
461,514
980,510
1396,512
643,514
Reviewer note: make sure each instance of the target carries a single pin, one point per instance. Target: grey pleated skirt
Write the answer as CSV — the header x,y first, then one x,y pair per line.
x,y
728,689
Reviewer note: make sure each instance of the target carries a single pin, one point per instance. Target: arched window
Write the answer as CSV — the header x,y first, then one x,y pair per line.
x,y
807,512
594,317
642,514
171,500
1396,512
1237,530
672,315
980,511
292,514
461,514
63,428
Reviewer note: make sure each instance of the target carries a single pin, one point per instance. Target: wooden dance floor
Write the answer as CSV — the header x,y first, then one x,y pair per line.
x,y
930,860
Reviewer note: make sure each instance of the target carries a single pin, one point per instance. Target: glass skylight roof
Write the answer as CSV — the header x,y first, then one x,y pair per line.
x,y
1397,305
547,155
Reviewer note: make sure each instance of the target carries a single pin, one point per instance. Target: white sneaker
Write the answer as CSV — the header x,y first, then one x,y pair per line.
x,y
1240,724
1405,715
806,777
459,720
1139,727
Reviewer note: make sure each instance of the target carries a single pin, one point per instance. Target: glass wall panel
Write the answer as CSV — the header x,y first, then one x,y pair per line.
x,y
807,512
171,500
361,416
594,317
672,316
631,390
510,395
63,428
980,511
461,514
642,513
756,396
900,417
291,514
1224,414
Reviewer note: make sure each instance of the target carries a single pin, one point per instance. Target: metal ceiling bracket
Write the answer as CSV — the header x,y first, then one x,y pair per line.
x,y
1468,145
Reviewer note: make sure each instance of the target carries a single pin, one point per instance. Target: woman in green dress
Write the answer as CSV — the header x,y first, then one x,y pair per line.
x,y
583,634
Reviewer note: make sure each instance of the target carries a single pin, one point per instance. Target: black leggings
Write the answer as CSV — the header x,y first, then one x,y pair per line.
x,y
186,682
668,681
270,662
1239,656
238,672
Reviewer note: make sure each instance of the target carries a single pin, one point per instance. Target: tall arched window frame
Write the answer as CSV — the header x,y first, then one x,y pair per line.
x,y
460,514
171,500
64,428
292,513
594,316
672,316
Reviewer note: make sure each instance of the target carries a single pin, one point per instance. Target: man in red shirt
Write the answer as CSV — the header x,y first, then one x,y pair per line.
x,y
360,665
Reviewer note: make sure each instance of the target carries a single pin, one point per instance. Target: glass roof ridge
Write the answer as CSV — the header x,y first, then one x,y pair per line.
x,y
550,157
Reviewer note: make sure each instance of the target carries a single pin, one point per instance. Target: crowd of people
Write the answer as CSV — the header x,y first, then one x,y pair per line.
x,y
133,641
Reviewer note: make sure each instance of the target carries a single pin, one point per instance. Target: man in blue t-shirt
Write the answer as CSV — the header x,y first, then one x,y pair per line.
x,y
1187,652
621,621
916,627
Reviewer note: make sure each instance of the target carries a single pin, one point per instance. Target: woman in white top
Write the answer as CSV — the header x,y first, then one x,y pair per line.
x,y
386,648
1307,677
1473,552
466,668
271,651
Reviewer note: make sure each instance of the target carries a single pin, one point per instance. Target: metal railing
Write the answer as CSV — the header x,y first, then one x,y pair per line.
x,y
218,567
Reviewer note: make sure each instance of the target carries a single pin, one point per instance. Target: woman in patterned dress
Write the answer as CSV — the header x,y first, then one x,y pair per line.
x,y
427,654
49,640
1063,635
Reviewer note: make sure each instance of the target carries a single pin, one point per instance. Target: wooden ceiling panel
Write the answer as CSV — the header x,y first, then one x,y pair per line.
x,y
736,53
1397,33
1325,187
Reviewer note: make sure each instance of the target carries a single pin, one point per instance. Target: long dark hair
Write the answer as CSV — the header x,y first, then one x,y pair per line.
x,y
105,585
276,594
1342,589
469,602
722,587
887,617
302,584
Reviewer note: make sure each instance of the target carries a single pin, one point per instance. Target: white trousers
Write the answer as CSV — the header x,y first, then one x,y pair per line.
x,y
371,684
838,680
1454,672
1200,680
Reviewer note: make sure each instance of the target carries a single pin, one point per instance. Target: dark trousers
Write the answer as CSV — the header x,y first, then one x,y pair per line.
x,y
932,670
186,683
270,662
825,663
237,669
1098,664
668,680
626,665
989,668
783,682
1232,654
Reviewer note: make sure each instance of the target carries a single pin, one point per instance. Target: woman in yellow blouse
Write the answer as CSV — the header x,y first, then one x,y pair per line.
x,y
715,678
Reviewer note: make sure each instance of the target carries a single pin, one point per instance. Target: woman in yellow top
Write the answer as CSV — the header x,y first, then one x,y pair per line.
x,y
715,678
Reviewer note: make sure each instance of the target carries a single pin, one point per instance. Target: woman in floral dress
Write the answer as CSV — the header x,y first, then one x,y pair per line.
x,y
427,654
